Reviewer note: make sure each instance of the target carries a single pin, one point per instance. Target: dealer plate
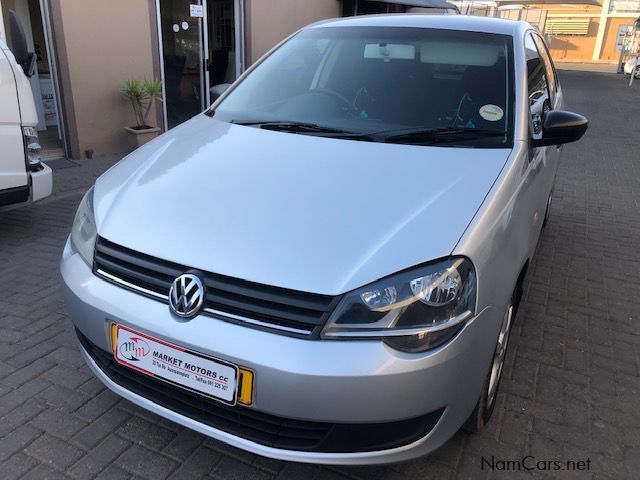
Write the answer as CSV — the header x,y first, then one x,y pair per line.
x,y
179,366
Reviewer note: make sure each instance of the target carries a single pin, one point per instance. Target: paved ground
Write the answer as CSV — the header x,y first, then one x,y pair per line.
x,y
571,388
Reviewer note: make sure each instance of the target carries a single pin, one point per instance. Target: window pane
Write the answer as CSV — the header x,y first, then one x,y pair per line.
x,y
548,65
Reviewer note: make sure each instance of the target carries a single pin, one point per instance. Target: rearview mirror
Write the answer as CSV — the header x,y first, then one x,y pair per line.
x,y
24,58
560,127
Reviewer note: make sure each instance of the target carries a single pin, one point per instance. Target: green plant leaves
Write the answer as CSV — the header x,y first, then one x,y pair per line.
x,y
142,94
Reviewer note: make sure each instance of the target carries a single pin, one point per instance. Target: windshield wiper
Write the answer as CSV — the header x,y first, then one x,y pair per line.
x,y
425,134
305,128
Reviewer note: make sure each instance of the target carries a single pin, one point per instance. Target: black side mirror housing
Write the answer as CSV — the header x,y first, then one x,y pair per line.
x,y
560,127
29,67
24,58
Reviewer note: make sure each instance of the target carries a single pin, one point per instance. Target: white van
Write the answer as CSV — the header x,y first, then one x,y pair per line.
x,y
22,176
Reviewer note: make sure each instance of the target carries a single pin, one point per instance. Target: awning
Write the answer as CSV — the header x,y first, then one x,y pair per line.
x,y
474,3
420,3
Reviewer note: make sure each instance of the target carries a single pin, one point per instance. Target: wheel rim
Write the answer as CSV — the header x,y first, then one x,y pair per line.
x,y
499,355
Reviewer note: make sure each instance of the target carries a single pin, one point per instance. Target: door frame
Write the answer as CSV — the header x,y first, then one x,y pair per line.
x,y
204,58
45,14
161,54
238,13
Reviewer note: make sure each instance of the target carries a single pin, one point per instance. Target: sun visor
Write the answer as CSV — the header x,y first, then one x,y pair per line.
x,y
458,53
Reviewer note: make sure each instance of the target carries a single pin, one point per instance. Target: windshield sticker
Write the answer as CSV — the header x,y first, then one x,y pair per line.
x,y
491,113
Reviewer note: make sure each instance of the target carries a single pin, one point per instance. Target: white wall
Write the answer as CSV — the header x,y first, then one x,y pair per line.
x,y
271,21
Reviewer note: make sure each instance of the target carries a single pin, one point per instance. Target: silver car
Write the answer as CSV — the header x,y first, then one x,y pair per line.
x,y
324,266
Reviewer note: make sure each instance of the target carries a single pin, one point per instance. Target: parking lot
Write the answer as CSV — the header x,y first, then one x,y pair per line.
x,y
570,392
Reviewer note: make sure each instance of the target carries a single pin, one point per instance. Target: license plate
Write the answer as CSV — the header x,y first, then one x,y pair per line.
x,y
193,371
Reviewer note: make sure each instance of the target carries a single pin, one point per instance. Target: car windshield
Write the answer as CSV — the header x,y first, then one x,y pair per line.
x,y
414,86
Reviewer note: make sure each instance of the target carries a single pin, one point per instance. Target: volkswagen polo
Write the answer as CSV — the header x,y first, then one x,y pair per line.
x,y
325,265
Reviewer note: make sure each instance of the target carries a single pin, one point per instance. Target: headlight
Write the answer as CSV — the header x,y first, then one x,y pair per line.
x,y
83,232
414,310
32,147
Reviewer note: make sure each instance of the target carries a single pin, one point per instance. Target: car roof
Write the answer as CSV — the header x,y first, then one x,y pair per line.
x,y
446,22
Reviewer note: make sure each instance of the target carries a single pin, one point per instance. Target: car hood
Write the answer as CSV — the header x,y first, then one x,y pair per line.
x,y
296,211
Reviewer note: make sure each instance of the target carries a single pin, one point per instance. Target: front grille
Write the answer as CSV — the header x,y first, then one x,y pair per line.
x,y
263,428
261,306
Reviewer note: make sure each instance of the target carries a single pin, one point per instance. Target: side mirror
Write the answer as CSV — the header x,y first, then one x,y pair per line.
x,y
24,58
217,90
560,127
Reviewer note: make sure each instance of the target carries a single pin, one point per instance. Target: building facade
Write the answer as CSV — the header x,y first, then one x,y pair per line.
x,y
87,49
576,33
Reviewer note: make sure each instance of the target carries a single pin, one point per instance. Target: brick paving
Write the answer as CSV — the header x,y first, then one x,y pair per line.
x,y
571,388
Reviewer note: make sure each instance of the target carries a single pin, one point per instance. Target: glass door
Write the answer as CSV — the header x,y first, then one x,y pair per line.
x,y
223,46
184,55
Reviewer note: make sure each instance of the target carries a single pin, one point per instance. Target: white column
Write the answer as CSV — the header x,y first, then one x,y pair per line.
x,y
602,27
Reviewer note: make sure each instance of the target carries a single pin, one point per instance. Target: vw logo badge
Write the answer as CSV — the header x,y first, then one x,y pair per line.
x,y
186,295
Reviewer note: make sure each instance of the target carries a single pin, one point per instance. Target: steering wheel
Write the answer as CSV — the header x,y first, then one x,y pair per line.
x,y
345,105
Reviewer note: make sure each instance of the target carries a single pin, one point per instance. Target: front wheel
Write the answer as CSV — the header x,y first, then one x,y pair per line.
x,y
487,402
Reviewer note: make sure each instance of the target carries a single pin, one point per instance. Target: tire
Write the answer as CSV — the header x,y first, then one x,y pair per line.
x,y
487,401
636,72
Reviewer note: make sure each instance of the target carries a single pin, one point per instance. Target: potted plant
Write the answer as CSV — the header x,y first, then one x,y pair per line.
x,y
142,94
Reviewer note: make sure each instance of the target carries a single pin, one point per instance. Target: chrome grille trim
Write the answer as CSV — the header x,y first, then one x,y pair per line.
x,y
266,307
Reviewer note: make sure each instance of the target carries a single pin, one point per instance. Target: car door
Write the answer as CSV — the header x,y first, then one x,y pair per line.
x,y
543,161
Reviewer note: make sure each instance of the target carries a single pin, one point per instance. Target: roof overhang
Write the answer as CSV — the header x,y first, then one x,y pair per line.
x,y
420,3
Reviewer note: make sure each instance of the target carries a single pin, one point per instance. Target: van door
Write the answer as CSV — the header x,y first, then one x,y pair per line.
x,y
14,180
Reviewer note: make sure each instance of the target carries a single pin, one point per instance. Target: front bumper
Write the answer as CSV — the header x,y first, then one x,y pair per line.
x,y
41,183
354,382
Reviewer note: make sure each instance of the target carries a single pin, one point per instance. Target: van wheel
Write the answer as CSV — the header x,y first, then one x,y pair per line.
x,y
487,402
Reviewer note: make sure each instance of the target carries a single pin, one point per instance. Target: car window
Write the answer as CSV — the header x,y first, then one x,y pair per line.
x,y
293,67
369,80
548,65
538,86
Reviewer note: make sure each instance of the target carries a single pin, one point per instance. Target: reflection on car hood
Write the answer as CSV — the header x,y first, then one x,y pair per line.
x,y
297,211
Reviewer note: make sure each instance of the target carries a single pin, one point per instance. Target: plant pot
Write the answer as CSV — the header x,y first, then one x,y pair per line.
x,y
139,136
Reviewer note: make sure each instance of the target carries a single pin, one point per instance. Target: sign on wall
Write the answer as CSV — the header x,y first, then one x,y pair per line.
x,y
624,38
196,11
618,6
